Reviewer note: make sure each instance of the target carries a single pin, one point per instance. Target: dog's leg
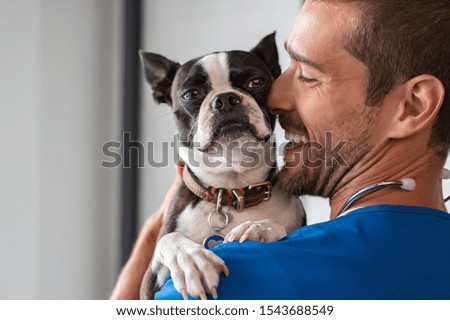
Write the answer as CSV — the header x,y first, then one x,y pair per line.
x,y
154,278
194,269
264,231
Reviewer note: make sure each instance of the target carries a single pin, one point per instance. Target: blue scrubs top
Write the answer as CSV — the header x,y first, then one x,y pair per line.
x,y
377,252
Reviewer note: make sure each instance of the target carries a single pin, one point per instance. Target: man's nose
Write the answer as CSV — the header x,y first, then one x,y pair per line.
x,y
281,96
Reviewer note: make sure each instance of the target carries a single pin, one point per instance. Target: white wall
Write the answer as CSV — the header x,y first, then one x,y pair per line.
x,y
19,157
60,95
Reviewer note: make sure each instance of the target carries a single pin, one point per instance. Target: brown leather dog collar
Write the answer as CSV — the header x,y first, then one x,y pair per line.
x,y
239,198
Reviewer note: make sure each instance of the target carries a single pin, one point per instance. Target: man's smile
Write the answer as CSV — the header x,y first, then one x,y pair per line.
x,y
296,139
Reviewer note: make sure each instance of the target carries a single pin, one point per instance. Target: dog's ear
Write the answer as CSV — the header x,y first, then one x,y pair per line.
x,y
159,73
267,51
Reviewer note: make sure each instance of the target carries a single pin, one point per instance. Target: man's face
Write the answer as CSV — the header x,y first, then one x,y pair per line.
x,y
320,100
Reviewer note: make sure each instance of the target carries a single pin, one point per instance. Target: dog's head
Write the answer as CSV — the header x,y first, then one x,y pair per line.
x,y
219,97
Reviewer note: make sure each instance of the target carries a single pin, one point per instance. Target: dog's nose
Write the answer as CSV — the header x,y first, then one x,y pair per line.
x,y
225,102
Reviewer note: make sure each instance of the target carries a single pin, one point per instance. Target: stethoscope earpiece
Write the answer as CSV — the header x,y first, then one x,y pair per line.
x,y
408,184
445,174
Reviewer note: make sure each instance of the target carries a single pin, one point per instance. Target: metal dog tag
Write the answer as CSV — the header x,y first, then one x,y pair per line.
x,y
213,241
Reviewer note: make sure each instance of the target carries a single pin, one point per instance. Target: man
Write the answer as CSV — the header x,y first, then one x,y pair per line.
x,y
375,76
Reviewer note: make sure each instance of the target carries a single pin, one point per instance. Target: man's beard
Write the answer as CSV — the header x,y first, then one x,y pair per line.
x,y
317,174
322,180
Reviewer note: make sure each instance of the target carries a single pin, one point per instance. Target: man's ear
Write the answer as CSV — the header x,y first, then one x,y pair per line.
x,y
267,51
422,99
159,73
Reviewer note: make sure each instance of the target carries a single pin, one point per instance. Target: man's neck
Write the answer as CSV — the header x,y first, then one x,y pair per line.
x,y
393,165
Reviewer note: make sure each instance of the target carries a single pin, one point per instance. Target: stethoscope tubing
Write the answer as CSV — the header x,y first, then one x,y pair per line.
x,y
407,185
368,189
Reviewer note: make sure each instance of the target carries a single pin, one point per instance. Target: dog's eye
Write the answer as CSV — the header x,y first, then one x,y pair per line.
x,y
190,94
256,83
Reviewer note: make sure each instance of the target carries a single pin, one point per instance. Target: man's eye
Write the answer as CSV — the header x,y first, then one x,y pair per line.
x,y
190,94
306,80
256,83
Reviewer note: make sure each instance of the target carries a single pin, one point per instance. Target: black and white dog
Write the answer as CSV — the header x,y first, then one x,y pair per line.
x,y
225,130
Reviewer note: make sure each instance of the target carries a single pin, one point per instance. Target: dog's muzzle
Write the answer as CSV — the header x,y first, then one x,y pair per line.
x,y
225,102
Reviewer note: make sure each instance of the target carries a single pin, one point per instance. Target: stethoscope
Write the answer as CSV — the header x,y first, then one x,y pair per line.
x,y
406,184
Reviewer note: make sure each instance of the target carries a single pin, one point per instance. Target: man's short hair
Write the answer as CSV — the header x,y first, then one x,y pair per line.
x,y
398,40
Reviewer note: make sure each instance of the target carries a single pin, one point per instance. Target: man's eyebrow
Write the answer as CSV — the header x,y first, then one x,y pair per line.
x,y
300,58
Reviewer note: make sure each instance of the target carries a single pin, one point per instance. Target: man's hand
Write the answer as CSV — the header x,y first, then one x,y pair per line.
x,y
130,278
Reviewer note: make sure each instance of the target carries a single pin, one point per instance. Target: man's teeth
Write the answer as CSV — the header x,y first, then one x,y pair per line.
x,y
295,138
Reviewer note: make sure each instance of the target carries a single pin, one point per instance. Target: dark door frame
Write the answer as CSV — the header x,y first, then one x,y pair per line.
x,y
132,19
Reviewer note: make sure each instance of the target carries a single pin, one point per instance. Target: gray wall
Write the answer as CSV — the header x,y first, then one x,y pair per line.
x,y
60,93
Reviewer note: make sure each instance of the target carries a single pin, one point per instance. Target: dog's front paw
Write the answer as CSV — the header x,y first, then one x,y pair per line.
x,y
194,269
264,231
